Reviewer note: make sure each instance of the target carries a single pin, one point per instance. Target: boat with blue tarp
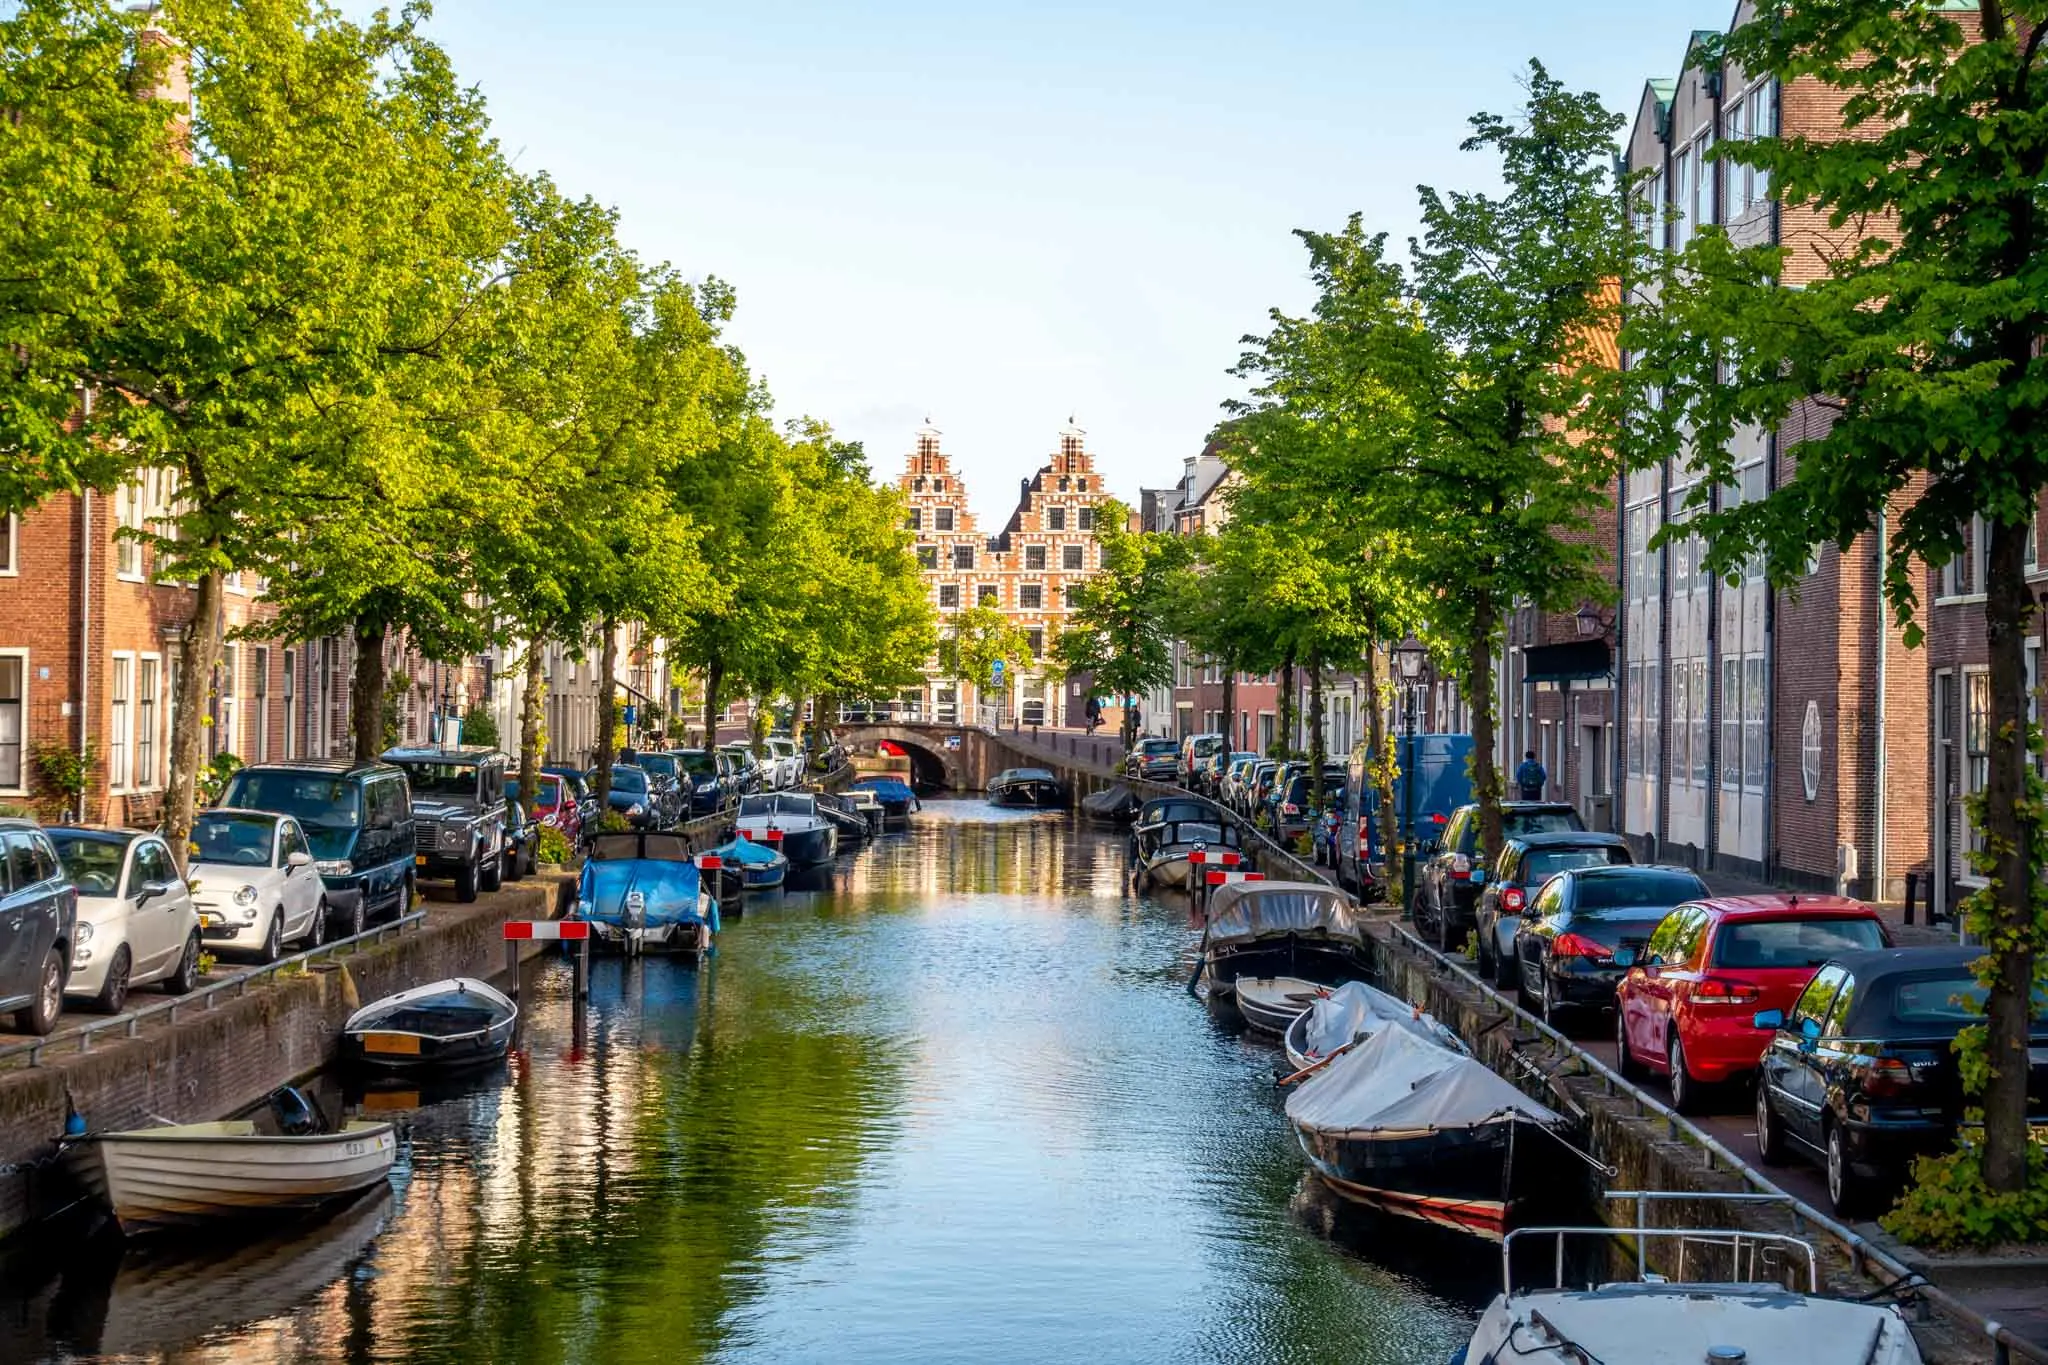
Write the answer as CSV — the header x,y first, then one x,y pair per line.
x,y
642,892
896,798
757,867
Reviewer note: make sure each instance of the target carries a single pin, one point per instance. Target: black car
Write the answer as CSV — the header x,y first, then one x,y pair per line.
x,y
38,917
633,796
1449,879
1156,759
709,792
1526,862
1291,807
1863,1076
671,784
745,779
358,818
1562,956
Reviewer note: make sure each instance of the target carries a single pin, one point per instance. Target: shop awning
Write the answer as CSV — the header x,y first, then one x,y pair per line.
x,y
1573,661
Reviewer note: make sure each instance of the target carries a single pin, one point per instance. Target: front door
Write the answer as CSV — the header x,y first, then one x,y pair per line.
x,y
1945,777
16,979
302,885
153,926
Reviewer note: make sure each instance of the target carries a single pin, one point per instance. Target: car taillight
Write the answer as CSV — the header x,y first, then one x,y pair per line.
x,y
1461,866
1715,991
1289,808
1578,945
1512,900
1887,1077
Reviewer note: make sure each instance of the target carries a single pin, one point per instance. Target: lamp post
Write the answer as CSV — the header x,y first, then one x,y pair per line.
x,y
1409,657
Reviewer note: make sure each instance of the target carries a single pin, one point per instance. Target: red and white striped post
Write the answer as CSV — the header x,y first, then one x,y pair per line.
x,y
1205,860
577,931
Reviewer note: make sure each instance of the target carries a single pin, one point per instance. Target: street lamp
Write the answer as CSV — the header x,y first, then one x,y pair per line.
x,y
1409,657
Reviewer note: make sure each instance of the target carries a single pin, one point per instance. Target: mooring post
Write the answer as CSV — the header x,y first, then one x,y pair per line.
x,y
512,966
582,970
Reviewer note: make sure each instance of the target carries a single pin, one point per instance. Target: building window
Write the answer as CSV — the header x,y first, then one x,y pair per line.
x,y
963,556
129,515
915,521
1073,596
1055,518
13,718
1036,640
989,595
942,518
10,532
949,594
1754,680
147,694
1963,575
1731,723
1702,183
1034,556
1763,122
1634,735
1085,518
1976,744
1070,557
223,738
291,713
121,724
259,687
1030,596
927,558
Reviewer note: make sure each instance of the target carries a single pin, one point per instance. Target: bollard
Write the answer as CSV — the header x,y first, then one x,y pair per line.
x,y
582,970
1912,894
512,967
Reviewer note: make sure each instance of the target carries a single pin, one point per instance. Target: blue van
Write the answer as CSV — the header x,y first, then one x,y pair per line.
x,y
1441,766
357,817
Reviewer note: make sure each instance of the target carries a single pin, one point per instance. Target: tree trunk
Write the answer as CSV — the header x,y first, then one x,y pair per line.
x,y
530,712
1286,707
1479,692
714,678
1316,753
198,655
1229,708
2007,924
607,714
1384,765
366,689
758,723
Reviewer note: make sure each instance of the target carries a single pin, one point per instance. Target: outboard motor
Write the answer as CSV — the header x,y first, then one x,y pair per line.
x,y
295,1114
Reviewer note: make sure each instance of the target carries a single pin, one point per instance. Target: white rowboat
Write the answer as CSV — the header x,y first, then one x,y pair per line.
x,y
195,1173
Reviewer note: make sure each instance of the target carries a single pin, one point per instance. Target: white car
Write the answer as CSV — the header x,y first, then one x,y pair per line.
x,y
788,763
255,883
136,920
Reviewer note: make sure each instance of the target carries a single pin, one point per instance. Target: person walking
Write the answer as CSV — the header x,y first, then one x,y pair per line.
x,y
1094,713
1531,778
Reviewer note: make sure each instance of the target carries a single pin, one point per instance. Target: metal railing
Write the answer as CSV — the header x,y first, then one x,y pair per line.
x,y
1760,1246
129,1022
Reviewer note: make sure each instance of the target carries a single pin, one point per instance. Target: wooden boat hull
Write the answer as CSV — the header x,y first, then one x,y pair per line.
x,y
1266,1005
196,1174
446,1026
1028,796
1462,1178
372,1049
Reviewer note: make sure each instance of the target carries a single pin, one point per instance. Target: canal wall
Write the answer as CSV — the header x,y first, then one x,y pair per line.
x,y
220,1055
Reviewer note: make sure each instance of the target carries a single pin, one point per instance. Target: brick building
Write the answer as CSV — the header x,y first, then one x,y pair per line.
x,y
1029,571
1768,734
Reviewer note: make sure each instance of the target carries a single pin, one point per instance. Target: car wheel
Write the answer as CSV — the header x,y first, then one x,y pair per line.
x,y
114,992
1488,967
515,866
1770,1141
42,1014
1850,1193
1624,1060
182,981
490,874
273,937
359,913
1506,970
1685,1091
316,932
465,883
1554,1010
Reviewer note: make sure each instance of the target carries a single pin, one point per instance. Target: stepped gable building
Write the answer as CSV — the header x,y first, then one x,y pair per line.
x,y
1028,571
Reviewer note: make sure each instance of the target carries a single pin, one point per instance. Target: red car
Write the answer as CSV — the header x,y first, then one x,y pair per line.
x,y
1687,1006
554,806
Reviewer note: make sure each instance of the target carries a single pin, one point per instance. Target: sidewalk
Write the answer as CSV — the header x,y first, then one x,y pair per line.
x,y
1916,935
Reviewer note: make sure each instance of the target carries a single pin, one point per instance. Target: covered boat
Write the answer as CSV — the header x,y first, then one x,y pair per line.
x,y
1412,1128
1342,1018
194,1174
642,892
850,817
1282,929
895,797
756,867
1035,788
789,822
454,1023
1117,805
1170,828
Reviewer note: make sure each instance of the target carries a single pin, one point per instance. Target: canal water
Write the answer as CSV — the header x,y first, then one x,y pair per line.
x,y
954,1106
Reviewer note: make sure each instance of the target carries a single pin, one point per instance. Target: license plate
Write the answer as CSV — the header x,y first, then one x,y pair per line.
x,y
392,1044
388,1101
420,860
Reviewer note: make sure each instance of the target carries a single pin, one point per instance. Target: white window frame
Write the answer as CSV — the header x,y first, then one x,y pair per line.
x,y
131,511
10,565
120,722
259,673
291,659
20,787
159,740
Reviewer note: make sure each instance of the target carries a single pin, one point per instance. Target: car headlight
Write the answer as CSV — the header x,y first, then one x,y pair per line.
x,y
335,867
246,896
83,934
636,809
450,838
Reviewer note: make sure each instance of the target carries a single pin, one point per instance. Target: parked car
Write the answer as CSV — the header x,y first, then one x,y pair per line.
x,y
1687,1006
1292,807
746,770
578,783
1562,954
1157,760
1861,1074
136,922
1439,766
554,803
357,816
1252,790
1448,880
632,797
1195,752
1235,769
671,784
522,841
1525,863
458,805
254,883
38,918
709,792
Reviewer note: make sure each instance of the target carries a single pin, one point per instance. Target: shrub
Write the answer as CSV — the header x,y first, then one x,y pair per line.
x,y
480,727
213,778
611,822
552,846
1948,1205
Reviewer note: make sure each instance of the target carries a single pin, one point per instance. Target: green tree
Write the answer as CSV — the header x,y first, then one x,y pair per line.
x,y
1121,628
975,640
1921,341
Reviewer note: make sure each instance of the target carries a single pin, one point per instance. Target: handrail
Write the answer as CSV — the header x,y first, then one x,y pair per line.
x,y
1734,1238
130,1021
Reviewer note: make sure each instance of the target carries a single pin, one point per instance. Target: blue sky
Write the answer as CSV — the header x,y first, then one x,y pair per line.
x,y
999,214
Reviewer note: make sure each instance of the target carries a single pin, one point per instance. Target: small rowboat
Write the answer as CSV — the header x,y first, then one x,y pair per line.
x,y
1271,1004
454,1023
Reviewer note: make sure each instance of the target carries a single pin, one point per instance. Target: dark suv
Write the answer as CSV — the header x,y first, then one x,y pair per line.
x,y
358,819
458,804
1448,881
38,915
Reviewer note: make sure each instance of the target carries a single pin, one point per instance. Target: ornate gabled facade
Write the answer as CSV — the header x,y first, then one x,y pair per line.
x,y
1028,571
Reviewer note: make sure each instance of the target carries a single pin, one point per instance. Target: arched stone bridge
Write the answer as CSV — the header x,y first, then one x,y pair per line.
x,y
963,758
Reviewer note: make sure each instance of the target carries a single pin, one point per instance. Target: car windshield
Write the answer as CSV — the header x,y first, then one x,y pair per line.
x,y
697,763
317,801
233,838
1153,747
93,862
1793,942
629,780
659,763
1544,863
1539,822
547,791
1659,889
441,779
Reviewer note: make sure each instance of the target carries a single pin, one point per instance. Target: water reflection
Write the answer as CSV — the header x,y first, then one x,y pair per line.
x,y
954,1105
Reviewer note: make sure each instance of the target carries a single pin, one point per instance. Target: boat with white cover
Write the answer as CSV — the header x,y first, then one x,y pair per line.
x,y
1274,930
1341,1018
789,823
